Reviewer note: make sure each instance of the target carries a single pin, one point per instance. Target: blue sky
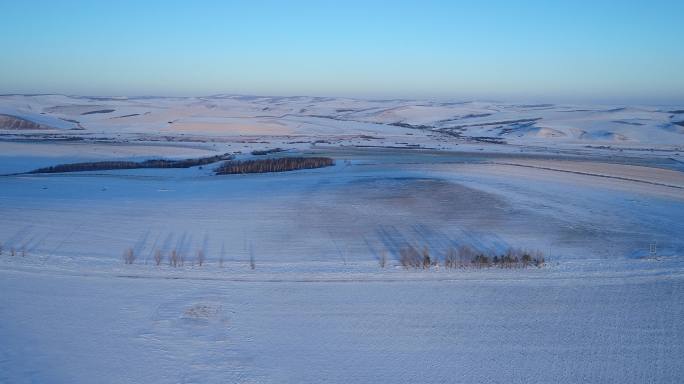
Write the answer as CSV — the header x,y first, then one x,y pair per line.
x,y
612,51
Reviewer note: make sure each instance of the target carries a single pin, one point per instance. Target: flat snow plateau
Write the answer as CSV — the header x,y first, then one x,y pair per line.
x,y
593,188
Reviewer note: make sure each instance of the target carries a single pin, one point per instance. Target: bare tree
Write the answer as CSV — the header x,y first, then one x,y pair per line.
x,y
129,256
158,257
13,251
451,258
481,260
173,258
200,257
1,249
409,257
538,259
382,259
426,258
466,256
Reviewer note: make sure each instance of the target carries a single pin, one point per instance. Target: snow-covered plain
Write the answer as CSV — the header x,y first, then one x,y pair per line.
x,y
593,187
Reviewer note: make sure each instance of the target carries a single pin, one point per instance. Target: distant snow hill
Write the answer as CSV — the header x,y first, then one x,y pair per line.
x,y
493,122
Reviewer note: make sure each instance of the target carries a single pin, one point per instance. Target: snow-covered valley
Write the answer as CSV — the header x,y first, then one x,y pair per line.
x,y
282,280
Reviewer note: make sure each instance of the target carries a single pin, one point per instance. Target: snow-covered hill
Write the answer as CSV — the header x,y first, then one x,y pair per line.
x,y
231,115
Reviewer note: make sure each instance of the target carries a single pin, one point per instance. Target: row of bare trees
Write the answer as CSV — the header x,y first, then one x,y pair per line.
x,y
13,251
228,167
466,257
410,257
176,258
273,165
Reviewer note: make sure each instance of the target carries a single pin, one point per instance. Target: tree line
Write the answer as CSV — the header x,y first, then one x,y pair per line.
x,y
113,165
273,165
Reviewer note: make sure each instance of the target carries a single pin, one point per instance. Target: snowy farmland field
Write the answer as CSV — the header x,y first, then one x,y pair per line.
x,y
281,280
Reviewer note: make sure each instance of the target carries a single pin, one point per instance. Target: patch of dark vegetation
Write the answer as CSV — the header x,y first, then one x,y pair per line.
x,y
677,111
452,103
412,126
628,122
98,111
121,117
30,94
535,105
455,132
406,146
490,140
105,98
502,122
113,165
515,127
475,115
680,123
38,137
328,117
282,164
635,149
263,152
466,257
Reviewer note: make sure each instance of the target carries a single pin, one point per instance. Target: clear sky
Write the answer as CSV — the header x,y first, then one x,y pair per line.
x,y
621,51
